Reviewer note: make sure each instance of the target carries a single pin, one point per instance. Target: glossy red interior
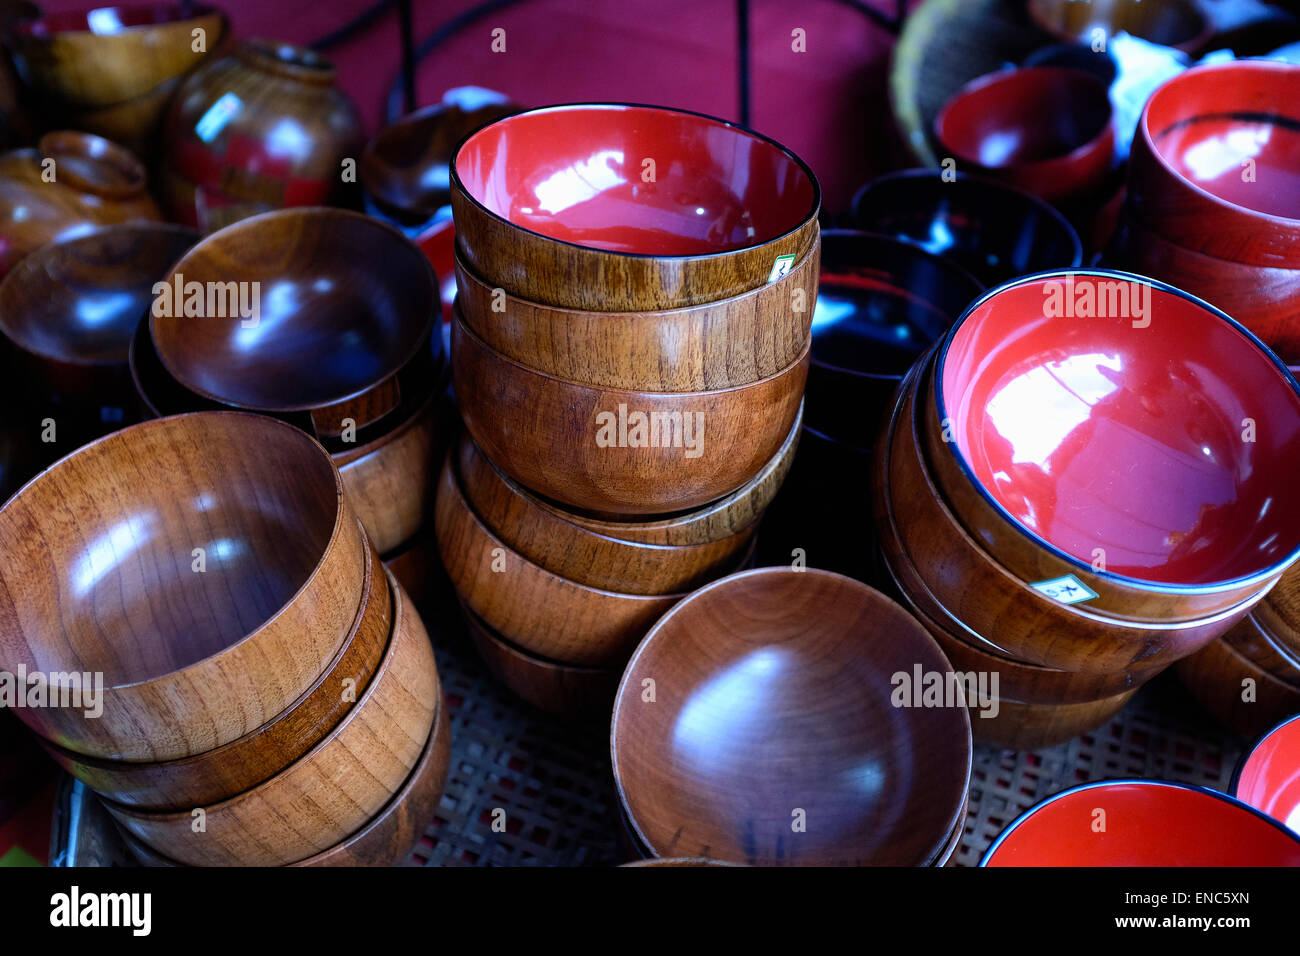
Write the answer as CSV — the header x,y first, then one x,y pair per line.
x,y
578,174
1145,824
1270,777
108,20
1206,124
1095,434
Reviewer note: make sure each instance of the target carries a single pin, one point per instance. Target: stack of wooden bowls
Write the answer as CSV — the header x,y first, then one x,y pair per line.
x,y
1074,501
629,350
342,345
222,656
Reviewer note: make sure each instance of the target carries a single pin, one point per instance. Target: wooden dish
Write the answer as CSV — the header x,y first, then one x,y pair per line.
x,y
1176,23
1252,640
413,563
622,208
1151,476
1279,613
1220,677
335,789
232,768
110,586
571,551
778,668
547,433
542,613
718,344
547,685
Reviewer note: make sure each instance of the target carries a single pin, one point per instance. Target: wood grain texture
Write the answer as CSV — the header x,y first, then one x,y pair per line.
x,y
779,668
571,551
97,574
1253,640
1279,613
332,791
542,432
1217,676
541,612
719,344
216,775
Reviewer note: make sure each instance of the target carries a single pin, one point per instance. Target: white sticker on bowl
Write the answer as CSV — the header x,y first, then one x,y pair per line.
x,y
1066,590
781,267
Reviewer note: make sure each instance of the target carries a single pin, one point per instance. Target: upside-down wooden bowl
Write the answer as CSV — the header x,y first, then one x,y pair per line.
x,y
333,790
232,768
620,208
1240,693
581,446
208,565
543,613
714,345
1175,23
571,551
1141,454
764,699
1268,776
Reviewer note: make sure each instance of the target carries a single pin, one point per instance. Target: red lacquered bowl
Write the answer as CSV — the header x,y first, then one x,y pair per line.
x,y
1045,129
1090,433
616,207
1187,176
1147,823
1269,776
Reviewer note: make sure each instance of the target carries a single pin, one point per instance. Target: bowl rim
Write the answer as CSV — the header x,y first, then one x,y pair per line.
x,y
1157,587
1199,39
1118,781
814,208
778,570
38,28
1249,752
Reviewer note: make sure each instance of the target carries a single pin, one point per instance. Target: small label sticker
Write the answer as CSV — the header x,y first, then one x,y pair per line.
x,y
1066,590
781,267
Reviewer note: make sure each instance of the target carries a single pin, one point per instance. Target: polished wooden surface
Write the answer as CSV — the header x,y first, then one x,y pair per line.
x,y
542,432
1217,677
541,612
719,344
332,791
97,574
789,669
1254,641
1279,612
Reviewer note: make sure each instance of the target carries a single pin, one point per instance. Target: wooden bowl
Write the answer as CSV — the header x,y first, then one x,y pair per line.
x,y
112,54
1125,449
715,345
110,586
330,335
1252,640
335,789
232,768
563,440
1001,607
1146,823
540,612
1268,777
994,231
543,536
438,243
1279,613
1175,23
72,308
547,685
413,564
771,696
678,861
1212,206
1044,129
620,208
1218,678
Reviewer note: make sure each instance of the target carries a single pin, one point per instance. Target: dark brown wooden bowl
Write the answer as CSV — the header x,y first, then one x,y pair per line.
x,y
413,563
770,692
98,574
1217,677
1175,23
718,344
563,440
333,333
622,208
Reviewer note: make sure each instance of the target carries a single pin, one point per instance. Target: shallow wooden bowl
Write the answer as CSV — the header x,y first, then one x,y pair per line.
x,y
332,334
1267,777
571,551
1176,23
718,344
232,768
335,789
1218,677
772,695
1126,445
619,208
97,574
542,613
547,685
544,432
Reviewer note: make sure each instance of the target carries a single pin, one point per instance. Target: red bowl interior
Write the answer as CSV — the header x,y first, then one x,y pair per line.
x,y
1270,777
1092,433
1205,124
1146,823
109,20
1022,116
577,174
